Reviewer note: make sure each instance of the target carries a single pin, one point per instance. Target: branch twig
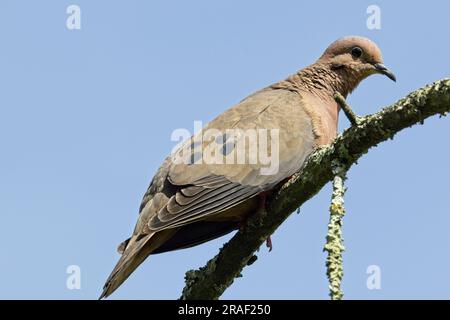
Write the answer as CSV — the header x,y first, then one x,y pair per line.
x,y
335,242
219,273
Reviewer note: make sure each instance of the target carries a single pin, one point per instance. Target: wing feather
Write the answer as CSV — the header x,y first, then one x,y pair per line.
x,y
198,190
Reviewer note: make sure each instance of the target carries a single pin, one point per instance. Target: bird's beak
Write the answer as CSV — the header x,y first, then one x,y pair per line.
x,y
381,68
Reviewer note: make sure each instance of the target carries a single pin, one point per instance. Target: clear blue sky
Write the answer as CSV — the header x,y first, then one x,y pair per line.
x,y
86,117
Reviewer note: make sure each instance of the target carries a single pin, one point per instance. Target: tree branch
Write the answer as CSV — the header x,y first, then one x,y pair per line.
x,y
210,281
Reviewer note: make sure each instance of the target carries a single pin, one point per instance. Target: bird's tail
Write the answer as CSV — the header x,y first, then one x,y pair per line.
x,y
134,254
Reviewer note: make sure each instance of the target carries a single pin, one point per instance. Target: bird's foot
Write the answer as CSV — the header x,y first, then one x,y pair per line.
x,y
269,243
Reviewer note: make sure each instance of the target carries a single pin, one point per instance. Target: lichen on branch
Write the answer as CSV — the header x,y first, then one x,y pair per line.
x,y
335,242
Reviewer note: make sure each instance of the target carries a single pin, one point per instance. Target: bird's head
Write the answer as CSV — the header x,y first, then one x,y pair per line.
x,y
355,58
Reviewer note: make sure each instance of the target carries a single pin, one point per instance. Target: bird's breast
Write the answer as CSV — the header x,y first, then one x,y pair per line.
x,y
324,117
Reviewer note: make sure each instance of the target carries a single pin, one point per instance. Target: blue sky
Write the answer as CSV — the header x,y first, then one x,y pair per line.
x,y
86,117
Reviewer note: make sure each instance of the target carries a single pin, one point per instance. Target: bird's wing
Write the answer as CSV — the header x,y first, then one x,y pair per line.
x,y
183,192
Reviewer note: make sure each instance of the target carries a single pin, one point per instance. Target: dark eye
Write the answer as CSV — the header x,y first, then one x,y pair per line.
x,y
357,52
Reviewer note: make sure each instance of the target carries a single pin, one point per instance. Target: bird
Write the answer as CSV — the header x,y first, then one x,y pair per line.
x,y
191,202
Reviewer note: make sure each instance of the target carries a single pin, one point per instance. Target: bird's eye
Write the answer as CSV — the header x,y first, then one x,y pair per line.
x,y
357,52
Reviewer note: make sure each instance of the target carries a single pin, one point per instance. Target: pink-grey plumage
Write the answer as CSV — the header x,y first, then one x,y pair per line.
x,y
187,204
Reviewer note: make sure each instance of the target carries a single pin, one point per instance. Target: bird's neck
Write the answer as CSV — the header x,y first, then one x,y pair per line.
x,y
318,84
322,80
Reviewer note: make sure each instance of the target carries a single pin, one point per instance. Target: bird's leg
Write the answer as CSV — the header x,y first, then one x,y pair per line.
x,y
354,119
269,243
261,211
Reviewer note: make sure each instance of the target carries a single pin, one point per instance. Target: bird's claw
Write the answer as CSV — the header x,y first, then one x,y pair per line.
x,y
269,243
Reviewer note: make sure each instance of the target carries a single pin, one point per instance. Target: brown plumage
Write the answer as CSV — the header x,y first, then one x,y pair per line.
x,y
190,203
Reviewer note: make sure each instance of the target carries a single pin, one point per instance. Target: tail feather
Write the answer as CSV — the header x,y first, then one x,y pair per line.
x,y
134,254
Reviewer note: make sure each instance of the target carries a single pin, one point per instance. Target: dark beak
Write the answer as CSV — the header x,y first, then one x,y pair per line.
x,y
381,68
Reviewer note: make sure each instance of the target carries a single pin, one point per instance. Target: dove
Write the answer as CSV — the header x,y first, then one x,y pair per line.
x,y
193,198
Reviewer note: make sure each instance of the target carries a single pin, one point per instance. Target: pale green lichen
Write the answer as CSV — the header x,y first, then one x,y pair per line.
x,y
194,276
335,244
